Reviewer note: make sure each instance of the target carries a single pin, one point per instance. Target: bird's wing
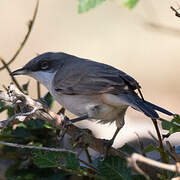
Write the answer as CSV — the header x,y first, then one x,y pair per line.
x,y
92,78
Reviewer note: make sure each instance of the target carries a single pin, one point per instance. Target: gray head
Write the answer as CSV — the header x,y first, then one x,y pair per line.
x,y
44,66
46,62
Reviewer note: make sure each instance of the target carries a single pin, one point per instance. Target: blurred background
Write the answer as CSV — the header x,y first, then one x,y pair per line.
x,y
144,42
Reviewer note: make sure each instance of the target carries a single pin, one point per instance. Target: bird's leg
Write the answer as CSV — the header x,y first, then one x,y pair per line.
x,y
79,118
67,122
109,143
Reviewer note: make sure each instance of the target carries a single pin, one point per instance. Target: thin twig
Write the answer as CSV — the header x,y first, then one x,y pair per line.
x,y
173,154
4,87
176,12
81,173
36,147
140,144
38,90
152,135
88,155
162,151
30,26
12,77
91,167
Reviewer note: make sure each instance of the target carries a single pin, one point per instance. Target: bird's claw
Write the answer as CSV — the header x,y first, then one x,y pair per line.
x,y
107,146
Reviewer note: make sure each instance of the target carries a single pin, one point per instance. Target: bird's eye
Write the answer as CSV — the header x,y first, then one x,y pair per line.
x,y
44,65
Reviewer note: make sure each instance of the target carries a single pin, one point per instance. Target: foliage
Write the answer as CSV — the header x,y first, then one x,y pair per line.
x,y
50,165
172,126
86,5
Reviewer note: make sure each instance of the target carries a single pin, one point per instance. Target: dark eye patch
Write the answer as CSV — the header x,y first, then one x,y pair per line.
x,y
44,65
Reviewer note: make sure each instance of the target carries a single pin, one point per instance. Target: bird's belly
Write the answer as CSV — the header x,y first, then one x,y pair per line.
x,y
77,104
92,105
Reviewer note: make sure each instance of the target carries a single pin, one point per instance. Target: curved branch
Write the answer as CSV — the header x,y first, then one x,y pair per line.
x,y
30,25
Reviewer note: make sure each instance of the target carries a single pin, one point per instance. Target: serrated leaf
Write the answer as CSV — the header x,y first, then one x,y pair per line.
x,y
45,159
170,126
150,148
130,3
114,168
128,149
49,99
85,5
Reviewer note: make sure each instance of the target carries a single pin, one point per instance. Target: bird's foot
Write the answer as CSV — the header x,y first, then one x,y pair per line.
x,y
65,123
80,138
80,141
107,146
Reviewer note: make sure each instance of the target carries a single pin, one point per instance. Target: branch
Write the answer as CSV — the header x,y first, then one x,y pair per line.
x,y
12,77
36,147
38,110
176,12
30,26
137,157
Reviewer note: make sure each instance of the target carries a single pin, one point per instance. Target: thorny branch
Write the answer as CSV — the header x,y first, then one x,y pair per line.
x,y
35,109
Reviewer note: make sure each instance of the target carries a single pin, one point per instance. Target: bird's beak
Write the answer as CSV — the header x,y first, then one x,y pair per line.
x,y
21,71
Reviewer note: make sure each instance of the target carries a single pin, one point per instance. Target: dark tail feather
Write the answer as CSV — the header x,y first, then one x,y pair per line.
x,y
157,108
144,106
137,103
146,109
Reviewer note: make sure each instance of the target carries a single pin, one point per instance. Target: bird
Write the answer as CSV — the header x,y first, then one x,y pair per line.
x,y
89,89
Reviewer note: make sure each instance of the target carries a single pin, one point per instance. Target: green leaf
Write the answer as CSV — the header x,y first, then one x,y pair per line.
x,y
35,124
130,3
71,161
2,106
171,126
10,111
114,168
18,172
21,132
85,5
48,125
150,148
45,159
49,99
176,119
128,149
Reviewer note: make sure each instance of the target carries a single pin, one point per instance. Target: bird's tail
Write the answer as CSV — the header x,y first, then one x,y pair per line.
x,y
146,107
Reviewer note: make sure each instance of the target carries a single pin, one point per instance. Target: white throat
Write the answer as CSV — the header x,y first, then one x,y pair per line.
x,y
45,78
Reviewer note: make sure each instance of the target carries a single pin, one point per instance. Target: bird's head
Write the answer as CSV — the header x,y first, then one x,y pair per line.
x,y
44,67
